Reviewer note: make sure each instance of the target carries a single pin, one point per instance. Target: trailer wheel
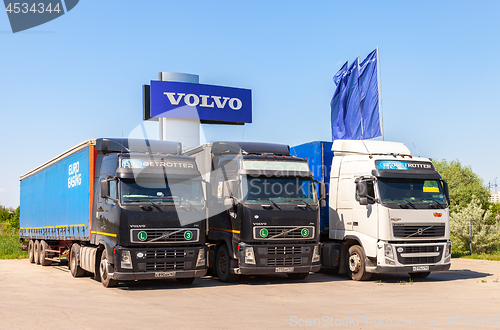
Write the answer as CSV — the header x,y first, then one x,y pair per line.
x,y
356,264
185,280
297,276
31,252
106,280
43,254
74,268
419,275
36,252
223,265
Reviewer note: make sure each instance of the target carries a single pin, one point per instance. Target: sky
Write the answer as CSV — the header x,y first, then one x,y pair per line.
x,y
80,76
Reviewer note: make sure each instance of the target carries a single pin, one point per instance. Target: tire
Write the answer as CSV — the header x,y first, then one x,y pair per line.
x,y
43,254
31,252
185,280
419,275
297,276
74,268
106,281
36,252
356,263
223,265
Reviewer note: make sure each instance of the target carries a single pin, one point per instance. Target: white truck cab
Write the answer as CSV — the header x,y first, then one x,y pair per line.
x,y
388,211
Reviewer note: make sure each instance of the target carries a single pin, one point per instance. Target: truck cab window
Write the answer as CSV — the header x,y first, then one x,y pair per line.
x,y
112,192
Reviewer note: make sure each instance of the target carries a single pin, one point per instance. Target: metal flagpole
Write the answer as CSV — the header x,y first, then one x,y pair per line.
x,y
381,113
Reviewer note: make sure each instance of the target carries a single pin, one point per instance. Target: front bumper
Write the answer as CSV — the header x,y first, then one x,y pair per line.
x,y
411,257
406,269
135,276
159,263
278,259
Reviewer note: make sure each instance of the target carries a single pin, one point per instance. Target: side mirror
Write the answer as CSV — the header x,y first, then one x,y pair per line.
x,y
322,190
446,191
362,189
363,201
104,189
322,203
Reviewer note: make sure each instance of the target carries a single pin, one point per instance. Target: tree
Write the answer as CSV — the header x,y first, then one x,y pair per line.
x,y
463,184
485,237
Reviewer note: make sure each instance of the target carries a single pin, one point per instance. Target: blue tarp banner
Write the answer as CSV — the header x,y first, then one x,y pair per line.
x,y
355,106
337,113
369,96
351,98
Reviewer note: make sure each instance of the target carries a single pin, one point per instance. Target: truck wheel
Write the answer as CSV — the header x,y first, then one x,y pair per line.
x,y
106,280
223,265
43,254
31,252
419,275
36,252
297,276
356,264
74,268
185,280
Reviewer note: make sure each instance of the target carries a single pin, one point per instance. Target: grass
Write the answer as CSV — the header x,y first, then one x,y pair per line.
x,y
10,248
482,256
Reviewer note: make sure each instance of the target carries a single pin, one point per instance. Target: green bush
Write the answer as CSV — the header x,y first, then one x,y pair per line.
x,y
10,247
485,236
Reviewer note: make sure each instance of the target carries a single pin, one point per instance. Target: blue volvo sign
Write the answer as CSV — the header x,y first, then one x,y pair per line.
x,y
209,103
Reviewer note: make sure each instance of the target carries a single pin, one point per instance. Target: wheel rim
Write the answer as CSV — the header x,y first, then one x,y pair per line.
x,y
354,263
222,263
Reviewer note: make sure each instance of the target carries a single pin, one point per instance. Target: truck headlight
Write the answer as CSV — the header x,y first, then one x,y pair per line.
x,y
316,255
249,255
388,251
201,261
126,261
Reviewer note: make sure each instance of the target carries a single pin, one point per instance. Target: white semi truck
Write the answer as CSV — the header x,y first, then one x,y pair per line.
x,y
387,213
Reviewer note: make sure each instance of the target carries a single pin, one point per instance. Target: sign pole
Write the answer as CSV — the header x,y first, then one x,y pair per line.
x,y
185,131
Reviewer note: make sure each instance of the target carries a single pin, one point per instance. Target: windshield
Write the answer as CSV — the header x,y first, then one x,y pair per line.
x,y
279,190
410,190
161,191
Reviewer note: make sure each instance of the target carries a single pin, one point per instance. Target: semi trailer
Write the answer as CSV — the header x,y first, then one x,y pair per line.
x,y
120,209
263,210
387,210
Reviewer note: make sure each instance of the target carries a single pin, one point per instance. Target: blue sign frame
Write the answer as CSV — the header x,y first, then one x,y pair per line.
x,y
208,103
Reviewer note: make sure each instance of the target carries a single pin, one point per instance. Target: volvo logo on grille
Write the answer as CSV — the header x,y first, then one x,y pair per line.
x,y
420,231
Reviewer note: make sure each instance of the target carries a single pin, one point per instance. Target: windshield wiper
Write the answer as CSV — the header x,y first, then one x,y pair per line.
x,y
301,200
285,232
441,205
165,235
147,201
410,203
265,199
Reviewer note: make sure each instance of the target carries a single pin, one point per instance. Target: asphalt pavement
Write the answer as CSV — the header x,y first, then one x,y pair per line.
x,y
467,296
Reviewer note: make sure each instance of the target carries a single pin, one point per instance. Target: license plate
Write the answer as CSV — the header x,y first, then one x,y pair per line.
x,y
284,269
420,268
165,274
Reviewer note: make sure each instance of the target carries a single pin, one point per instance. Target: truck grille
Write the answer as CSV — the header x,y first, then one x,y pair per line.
x,y
159,235
420,260
162,254
162,266
417,231
284,250
284,262
419,254
283,232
